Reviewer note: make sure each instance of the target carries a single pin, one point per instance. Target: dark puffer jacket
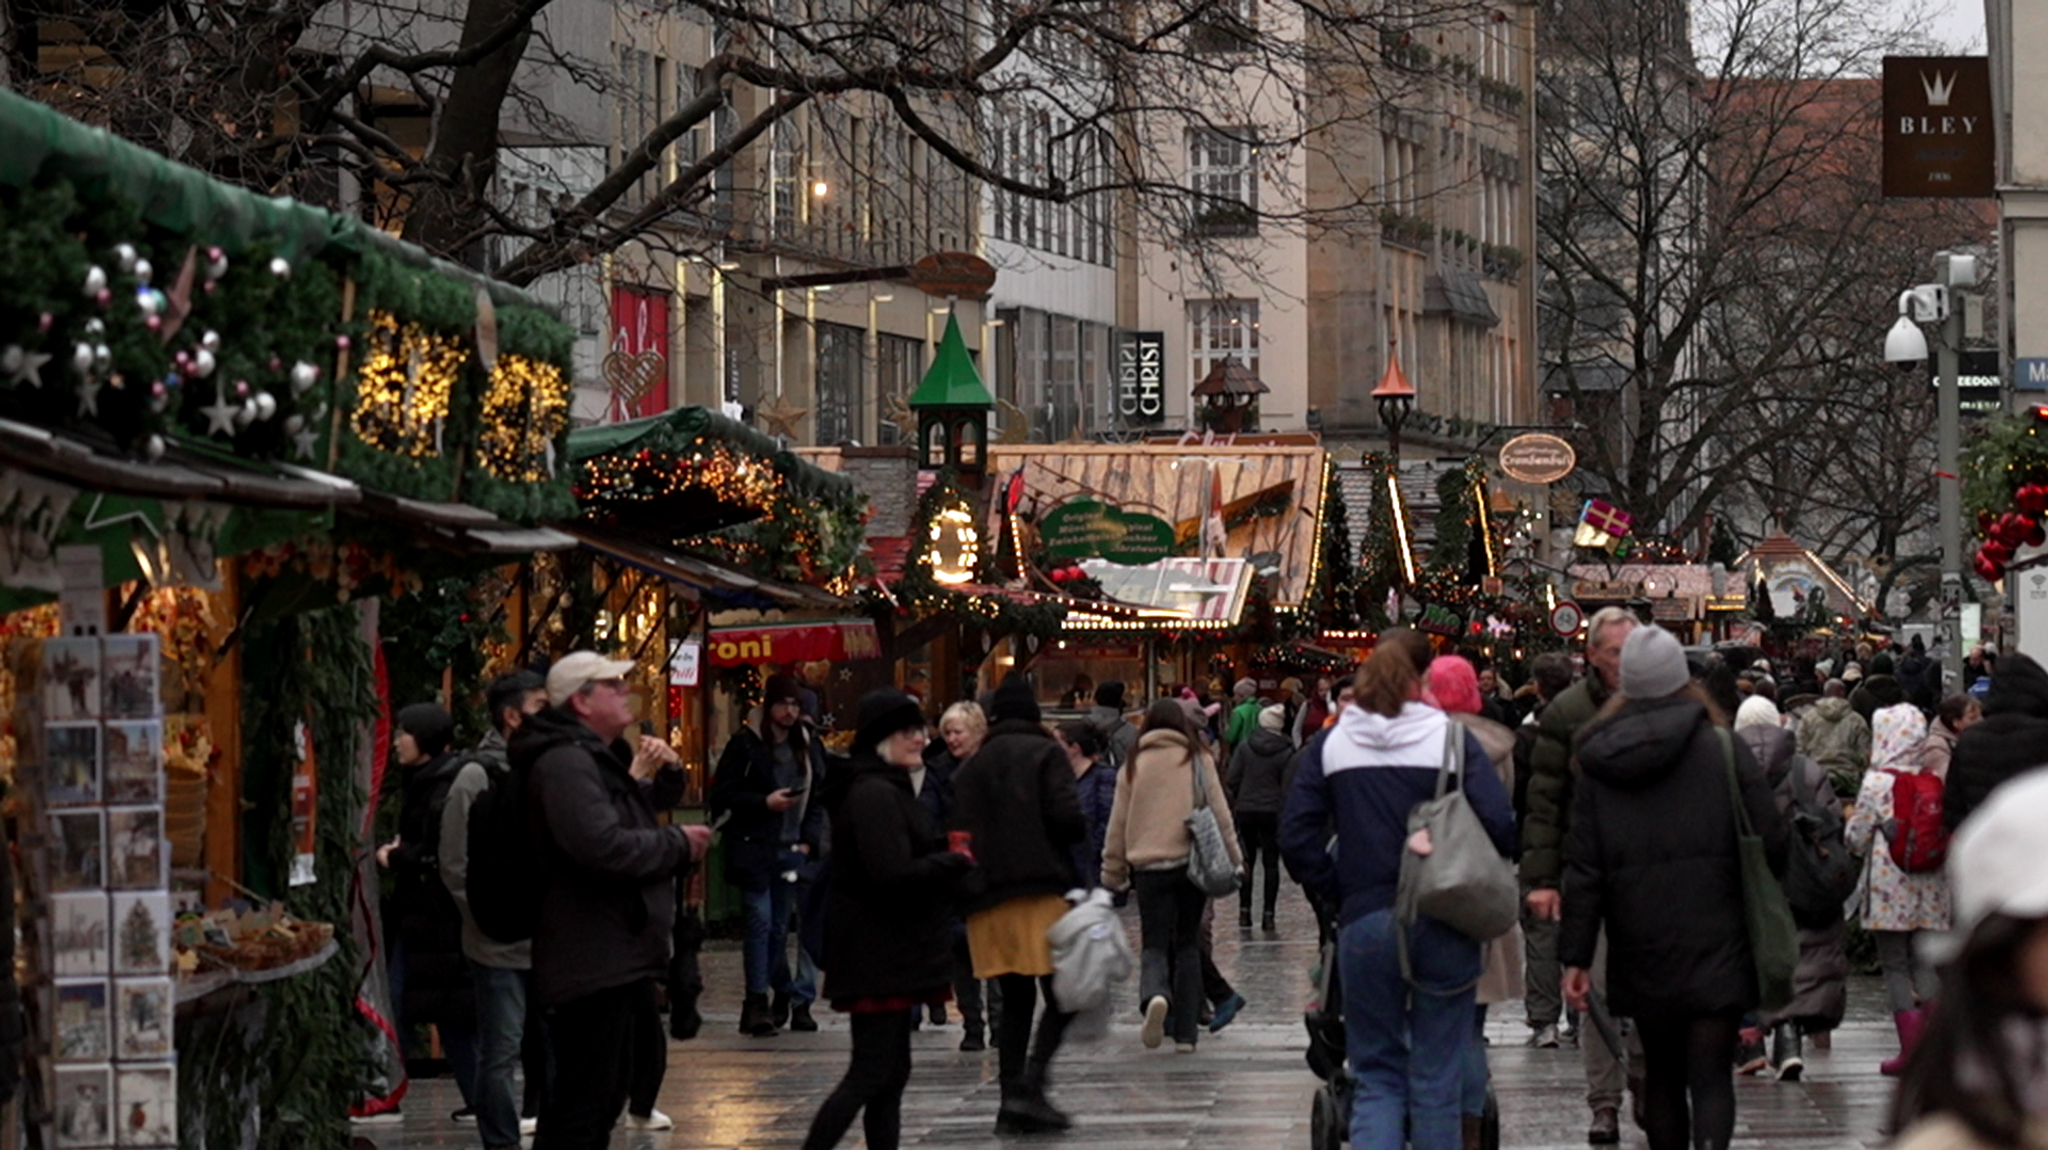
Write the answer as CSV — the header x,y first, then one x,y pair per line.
x,y
423,913
752,835
1553,775
888,910
1260,769
1017,797
608,892
1651,857
2012,738
1876,693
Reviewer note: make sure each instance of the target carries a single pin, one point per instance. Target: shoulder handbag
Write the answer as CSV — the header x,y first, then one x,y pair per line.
x,y
1766,918
1209,865
1463,882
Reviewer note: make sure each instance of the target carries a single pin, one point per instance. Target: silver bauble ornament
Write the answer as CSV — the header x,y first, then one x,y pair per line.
x,y
12,358
266,405
124,257
293,423
210,342
280,267
95,280
95,327
153,447
102,357
245,414
143,271
304,376
202,363
81,358
150,301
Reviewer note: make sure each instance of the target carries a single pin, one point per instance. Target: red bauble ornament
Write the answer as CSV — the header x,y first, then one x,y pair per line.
x,y
1990,571
2037,535
1997,552
2032,498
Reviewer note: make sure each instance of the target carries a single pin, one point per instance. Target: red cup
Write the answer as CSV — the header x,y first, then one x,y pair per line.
x,y
961,842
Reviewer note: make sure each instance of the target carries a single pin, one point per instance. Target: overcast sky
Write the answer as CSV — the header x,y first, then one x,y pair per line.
x,y
1959,23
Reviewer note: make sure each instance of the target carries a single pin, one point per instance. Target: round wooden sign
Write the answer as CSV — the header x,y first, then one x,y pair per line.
x,y
1537,458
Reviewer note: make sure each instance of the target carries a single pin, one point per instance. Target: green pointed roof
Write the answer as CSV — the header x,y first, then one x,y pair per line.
x,y
953,380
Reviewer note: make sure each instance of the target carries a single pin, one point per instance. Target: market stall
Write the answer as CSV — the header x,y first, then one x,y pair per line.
x,y
234,430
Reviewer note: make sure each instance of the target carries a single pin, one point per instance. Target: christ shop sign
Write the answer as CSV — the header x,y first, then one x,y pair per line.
x,y
1938,140
1141,376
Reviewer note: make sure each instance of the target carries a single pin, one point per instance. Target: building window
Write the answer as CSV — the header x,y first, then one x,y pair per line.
x,y
1062,410
839,382
1224,182
1225,26
787,165
1220,328
898,362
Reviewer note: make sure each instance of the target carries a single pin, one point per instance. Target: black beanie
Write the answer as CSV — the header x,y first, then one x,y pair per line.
x,y
430,725
778,688
1014,700
1110,694
883,712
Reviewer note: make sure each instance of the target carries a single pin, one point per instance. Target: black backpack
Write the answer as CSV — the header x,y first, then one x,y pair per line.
x,y
1820,872
503,879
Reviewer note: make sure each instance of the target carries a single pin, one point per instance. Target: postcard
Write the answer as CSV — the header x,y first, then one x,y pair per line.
x,y
82,1105
78,850
71,764
143,1009
79,934
71,679
83,1032
132,762
142,932
136,855
131,668
146,1106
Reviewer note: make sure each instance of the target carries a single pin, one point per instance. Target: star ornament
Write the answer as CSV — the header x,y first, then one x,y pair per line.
x,y
26,368
779,416
220,414
304,440
88,397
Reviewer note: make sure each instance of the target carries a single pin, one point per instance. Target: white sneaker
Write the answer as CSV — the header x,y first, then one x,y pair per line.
x,y
1183,1048
655,1120
1155,1021
528,1126
381,1118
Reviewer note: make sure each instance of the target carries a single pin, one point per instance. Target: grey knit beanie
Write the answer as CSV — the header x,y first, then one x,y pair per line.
x,y
1652,664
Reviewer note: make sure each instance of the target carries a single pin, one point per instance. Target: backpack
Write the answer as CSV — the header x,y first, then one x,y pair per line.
x,y
1917,836
1091,954
1820,871
504,878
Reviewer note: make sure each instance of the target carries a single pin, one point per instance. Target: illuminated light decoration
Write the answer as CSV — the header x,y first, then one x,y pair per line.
x,y
729,476
955,545
1483,517
405,386
525,410
1403,541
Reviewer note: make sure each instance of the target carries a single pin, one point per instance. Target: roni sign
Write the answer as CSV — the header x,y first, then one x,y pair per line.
x,y
1141,376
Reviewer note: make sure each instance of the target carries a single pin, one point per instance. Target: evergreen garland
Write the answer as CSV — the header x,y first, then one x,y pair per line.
x,y
1379,566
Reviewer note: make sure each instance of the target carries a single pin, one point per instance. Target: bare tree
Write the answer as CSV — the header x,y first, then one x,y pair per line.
x,y
404,109
1719,267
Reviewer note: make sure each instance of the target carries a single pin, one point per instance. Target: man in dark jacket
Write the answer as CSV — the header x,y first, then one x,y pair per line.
x,y
2012,738
1256,781
1553,776
607,899
763,798
1879,689
1118,735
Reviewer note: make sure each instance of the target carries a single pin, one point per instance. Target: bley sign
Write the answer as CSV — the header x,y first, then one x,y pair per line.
x,y
1938,139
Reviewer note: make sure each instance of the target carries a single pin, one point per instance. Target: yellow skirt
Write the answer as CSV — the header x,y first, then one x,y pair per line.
x,y
1009,938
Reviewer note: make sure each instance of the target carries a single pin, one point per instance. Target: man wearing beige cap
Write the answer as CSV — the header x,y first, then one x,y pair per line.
x,y
607,897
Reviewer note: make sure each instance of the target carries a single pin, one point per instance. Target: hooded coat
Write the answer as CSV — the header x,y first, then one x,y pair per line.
x,y
1017,797
1820,992
1552,775
608,865
1652,859
1364,775
888,910
424,914
1119,736
1155,793
2012,738
1875,693
1889,897
1835,736
1260,769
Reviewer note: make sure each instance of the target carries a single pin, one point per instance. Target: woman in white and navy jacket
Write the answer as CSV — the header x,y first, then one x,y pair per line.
x,y
1405,1044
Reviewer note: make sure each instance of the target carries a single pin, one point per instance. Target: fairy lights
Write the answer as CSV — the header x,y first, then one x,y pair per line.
x,y
709,469
955,545
404,387
525,410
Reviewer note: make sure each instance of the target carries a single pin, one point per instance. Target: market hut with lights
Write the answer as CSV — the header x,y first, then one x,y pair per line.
x,y
241,441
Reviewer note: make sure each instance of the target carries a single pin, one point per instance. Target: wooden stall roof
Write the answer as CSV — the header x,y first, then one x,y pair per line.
x,y
1172,482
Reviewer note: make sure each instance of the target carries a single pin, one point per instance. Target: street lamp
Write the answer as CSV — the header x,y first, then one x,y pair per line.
x,y
1941,302
1395,397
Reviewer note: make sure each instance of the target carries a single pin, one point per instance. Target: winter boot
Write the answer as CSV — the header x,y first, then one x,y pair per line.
x,y
754,1019
1785,1059
778,1009
1025,1109
800,1018
1267,923
1244,915
1908,1022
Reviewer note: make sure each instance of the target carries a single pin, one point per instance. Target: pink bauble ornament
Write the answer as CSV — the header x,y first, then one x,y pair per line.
x,y
241,387
341,341
45,322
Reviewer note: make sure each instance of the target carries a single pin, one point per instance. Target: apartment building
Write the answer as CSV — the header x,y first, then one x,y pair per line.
x,y
1401,226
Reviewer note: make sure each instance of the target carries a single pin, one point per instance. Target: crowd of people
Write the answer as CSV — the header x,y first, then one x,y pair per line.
x,y
1638,808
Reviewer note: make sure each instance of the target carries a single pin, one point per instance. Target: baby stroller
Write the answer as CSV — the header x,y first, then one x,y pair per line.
x,y
1329,1122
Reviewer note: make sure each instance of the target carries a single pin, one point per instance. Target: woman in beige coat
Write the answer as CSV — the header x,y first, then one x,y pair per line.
x,y
1147,850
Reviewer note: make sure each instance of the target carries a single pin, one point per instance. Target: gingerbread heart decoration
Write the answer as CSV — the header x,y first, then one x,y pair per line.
x,y
630,378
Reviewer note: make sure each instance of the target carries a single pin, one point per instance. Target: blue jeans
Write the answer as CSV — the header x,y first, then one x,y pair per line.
x,y
770,916
1406,1045
501,1027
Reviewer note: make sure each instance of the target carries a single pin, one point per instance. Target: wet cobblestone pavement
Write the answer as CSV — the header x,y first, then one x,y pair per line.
x,y
1246,1087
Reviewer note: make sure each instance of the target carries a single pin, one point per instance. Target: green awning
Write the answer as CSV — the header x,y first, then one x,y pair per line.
x,y
953,380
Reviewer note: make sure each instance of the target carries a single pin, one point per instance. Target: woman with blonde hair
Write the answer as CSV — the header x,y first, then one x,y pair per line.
x,y
1406,1031
963,727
